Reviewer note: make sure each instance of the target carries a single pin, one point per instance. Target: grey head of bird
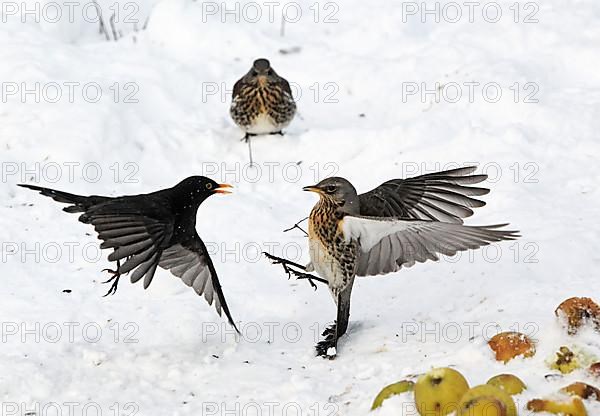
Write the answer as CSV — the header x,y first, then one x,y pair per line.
x,y
195,189
339,191
261,72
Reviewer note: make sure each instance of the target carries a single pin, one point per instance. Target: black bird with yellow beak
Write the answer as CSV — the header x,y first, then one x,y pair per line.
x,y
399,223
150,230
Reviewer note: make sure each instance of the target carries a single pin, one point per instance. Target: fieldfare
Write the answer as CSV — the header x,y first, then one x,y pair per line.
x,y
262,102
399,223
150,230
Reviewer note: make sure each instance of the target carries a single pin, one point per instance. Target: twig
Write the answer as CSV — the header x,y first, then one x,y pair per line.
x,y
113,28
297,225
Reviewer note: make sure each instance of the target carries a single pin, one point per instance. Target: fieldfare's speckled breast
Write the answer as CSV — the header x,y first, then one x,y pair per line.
x,y
262,100
332,255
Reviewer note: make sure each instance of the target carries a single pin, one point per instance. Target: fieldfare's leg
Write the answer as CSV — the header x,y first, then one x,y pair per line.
x,y
287,267
246,139
280,132
328,347
115,276
297,225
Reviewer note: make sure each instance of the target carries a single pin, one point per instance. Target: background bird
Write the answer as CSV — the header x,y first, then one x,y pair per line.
x,y
399,223
262,102
150,230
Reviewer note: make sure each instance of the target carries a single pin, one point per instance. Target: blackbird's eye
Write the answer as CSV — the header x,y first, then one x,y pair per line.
x,y
209,186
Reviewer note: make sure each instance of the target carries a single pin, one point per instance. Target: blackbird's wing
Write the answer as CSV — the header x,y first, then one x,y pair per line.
x,y
138,230
191,262
387,244
441,196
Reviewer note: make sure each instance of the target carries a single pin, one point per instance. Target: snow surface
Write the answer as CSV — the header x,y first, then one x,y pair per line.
x,y
541,158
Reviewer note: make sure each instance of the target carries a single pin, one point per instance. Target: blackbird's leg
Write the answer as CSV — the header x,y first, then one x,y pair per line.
x,y
297,225
287,267
246,139
115,276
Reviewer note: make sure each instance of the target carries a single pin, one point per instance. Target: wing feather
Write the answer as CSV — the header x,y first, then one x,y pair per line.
x,y
440,196
387,244
191,262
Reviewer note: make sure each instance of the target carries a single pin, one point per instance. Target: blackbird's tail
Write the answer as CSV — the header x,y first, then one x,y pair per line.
x,y
79,203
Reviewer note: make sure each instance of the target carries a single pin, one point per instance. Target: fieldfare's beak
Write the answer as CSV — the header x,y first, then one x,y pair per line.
x,y
313,188
223,191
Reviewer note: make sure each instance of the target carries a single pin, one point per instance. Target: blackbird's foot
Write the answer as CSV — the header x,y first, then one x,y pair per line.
x,y
114,278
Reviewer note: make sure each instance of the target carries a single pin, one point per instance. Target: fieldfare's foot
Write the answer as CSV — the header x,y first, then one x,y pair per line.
x,y
115,276
327,348
309,277
246,137
287,267
297,225
283,262
278,132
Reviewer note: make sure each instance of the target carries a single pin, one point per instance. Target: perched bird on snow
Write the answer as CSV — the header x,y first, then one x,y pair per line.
x,y
399,223
150,230
262,102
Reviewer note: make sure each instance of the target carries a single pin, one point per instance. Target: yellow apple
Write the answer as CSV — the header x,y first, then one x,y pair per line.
x,y
483,406
568,407
392,390
486,390
438,392
509,383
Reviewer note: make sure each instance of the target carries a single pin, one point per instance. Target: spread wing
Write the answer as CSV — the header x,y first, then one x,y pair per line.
x,y
191,263
137,233
387,244
440,196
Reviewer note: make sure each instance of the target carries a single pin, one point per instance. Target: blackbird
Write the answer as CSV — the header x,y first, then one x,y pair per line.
x,y
155,229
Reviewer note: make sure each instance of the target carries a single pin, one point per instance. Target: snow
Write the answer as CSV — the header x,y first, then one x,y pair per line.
x,y
541,158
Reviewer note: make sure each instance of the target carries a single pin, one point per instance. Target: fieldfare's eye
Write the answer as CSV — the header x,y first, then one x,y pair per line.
x,y
270,72
209,186
330,189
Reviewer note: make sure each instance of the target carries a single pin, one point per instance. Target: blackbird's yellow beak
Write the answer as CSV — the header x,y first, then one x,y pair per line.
x,y
223,191
312,189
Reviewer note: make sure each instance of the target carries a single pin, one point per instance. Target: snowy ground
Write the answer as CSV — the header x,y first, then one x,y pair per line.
x,y
163,115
